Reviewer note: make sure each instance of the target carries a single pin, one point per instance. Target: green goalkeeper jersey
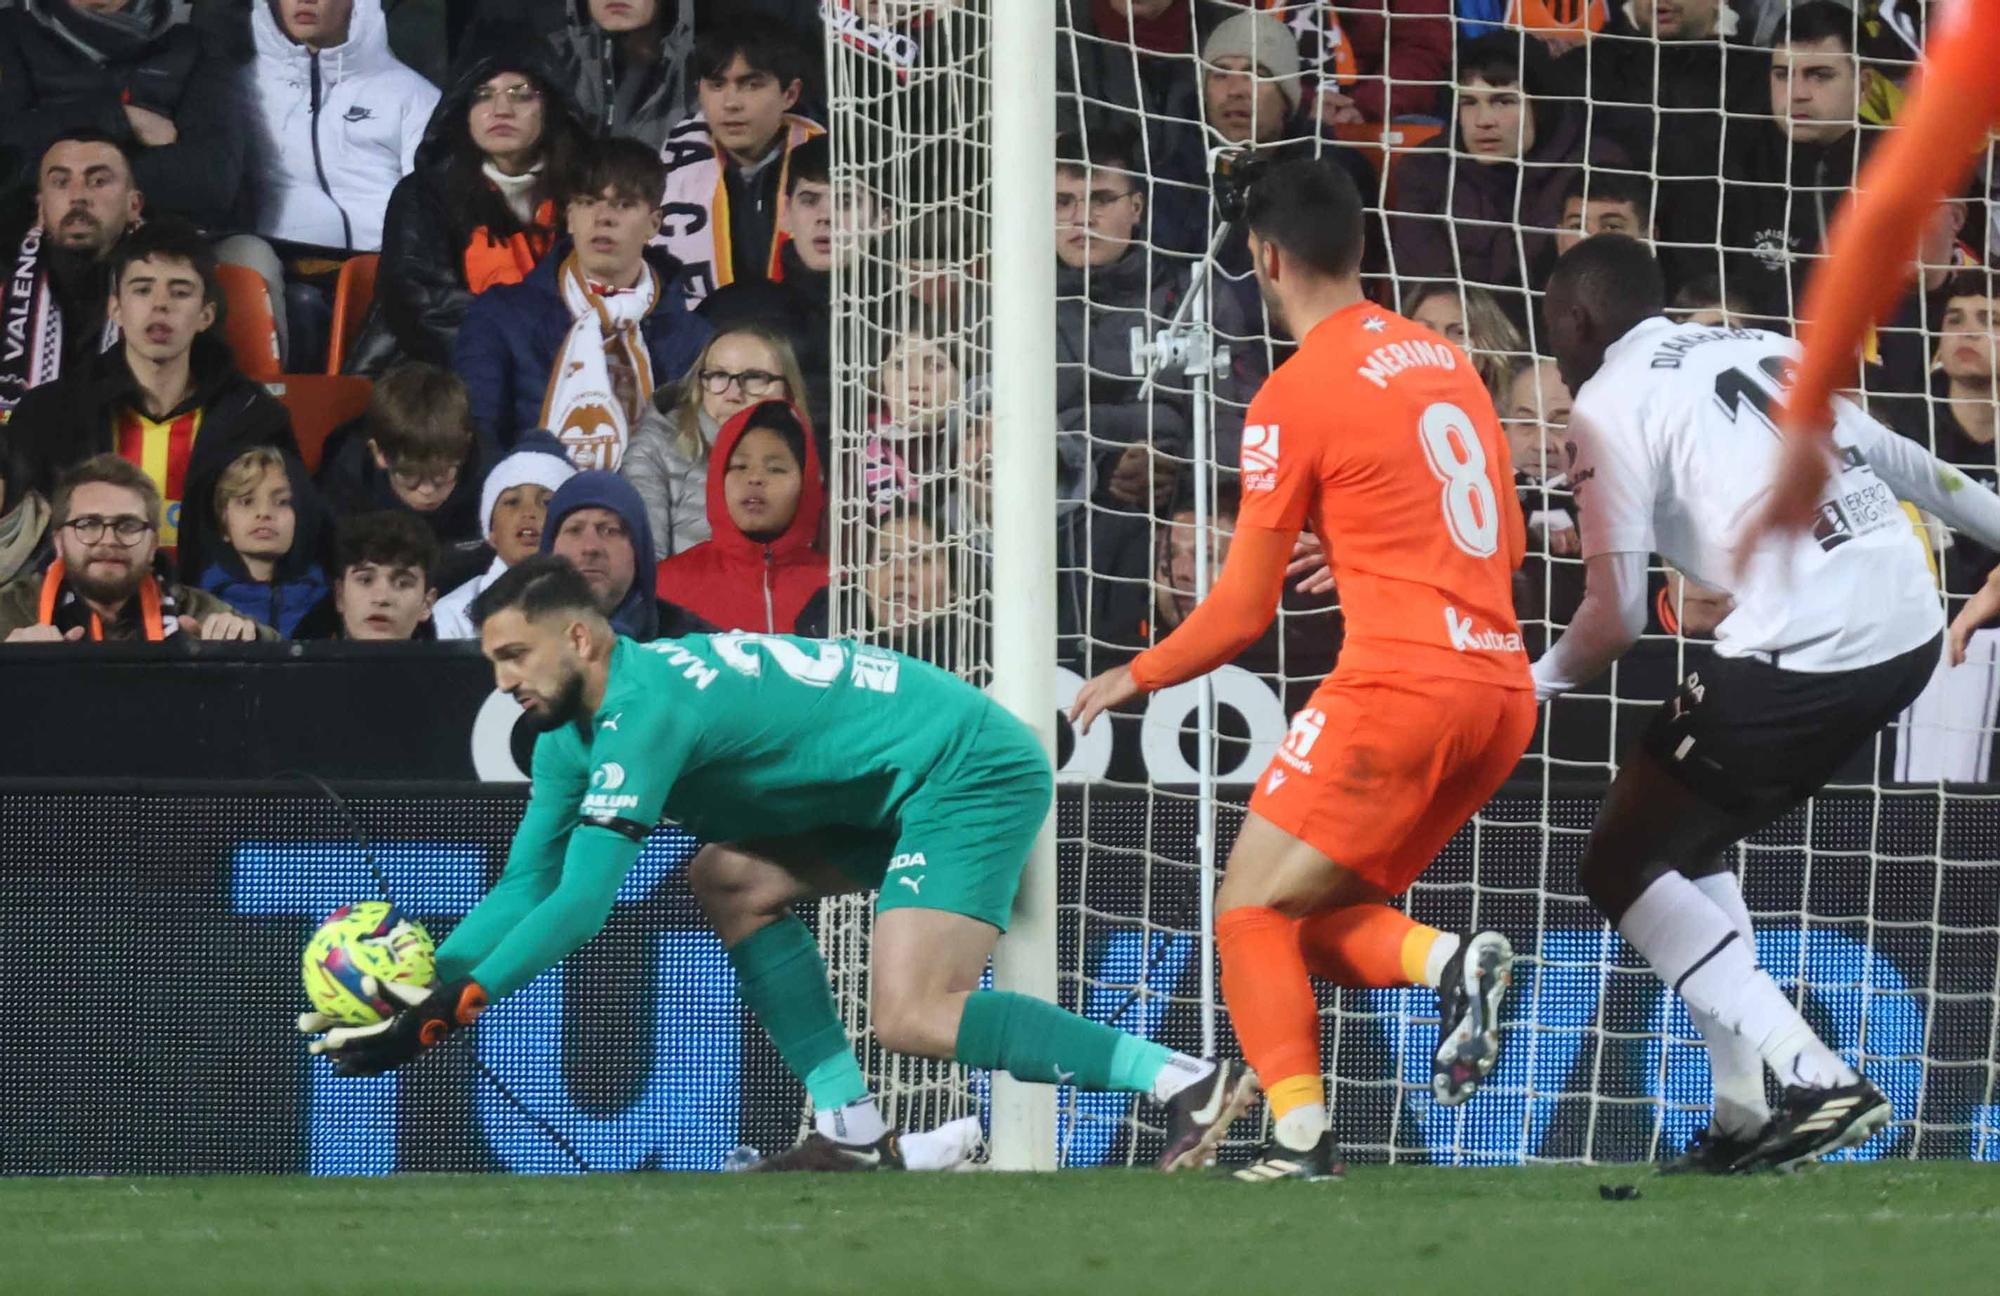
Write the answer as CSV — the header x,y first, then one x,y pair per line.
x,y
735,736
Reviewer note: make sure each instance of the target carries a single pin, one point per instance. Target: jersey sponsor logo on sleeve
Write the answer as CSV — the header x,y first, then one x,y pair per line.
x,y
1260,457
912,860
604,799
1466,638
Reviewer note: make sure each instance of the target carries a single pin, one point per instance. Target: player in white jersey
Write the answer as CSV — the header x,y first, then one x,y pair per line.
x,y
1832,634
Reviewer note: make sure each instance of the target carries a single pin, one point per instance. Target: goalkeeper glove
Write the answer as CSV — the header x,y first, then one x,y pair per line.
x,y
428,1014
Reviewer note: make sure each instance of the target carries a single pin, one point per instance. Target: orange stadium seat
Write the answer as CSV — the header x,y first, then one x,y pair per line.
x,y
353,294
248,325
319,403
1384,144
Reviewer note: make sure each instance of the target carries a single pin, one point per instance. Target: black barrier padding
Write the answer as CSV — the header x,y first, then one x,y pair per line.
x,y
148,1026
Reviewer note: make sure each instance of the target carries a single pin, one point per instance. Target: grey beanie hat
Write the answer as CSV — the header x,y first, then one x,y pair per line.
x,y
1267,43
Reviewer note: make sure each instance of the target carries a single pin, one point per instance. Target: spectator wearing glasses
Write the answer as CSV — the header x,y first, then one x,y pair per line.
x,y
1107,284
482,208
667,462
581,344
168,398
107,580
798,300
413,453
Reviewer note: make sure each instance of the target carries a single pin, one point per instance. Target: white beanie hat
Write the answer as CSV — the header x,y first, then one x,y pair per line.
x,y
538,460
1267,43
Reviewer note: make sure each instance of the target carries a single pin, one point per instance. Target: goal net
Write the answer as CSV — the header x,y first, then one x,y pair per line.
x,y
1479,140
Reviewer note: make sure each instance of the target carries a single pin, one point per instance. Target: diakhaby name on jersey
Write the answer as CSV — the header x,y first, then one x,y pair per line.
x,y
1386,361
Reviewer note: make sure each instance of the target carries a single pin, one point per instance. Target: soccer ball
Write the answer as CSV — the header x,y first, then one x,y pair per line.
x,y
370,939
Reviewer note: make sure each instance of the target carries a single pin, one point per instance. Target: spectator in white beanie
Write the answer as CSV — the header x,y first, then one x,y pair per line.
x,y
513,507
1251,78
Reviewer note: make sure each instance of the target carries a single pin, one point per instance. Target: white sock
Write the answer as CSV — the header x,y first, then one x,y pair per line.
x,y
947,1147
1698,952
858,1124
1300,1128
1442,949
1738,1068
1180,1071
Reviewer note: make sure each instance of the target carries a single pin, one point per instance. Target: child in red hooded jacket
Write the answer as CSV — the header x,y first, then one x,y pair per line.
x,y
763,569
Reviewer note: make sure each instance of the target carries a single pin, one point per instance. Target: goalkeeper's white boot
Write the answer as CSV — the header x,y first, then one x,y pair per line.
x,y
955,1145
1469,995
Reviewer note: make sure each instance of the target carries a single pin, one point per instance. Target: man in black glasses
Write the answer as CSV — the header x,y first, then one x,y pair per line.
x,y
106,582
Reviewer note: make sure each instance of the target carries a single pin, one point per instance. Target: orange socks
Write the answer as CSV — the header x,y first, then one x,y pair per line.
x,y
1268,961
1270,999
1374,946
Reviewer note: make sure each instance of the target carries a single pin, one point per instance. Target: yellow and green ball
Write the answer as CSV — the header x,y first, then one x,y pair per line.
x,y
370,939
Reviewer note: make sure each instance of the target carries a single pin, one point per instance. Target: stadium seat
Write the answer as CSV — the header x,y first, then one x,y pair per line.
x,y
319,403
353,294
1384,144
248,325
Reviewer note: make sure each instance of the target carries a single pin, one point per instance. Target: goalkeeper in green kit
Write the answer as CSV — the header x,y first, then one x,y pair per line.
x,y
812,767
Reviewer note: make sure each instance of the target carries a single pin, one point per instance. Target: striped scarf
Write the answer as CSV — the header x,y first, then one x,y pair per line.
x,y
31,324
695,226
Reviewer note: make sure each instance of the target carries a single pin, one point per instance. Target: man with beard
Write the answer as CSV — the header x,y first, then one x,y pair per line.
x,y
812,767
105,582
53,276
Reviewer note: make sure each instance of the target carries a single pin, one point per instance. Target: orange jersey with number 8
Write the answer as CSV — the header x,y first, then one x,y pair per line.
x,y
1379,435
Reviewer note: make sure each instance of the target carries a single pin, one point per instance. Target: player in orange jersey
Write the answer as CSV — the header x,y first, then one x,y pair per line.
x,y
1929,154
1380,436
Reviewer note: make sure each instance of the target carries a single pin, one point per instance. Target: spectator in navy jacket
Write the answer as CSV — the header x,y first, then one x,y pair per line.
x,y
268,522
580,345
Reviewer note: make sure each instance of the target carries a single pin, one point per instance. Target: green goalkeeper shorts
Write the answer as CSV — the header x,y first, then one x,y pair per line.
x,y
964,836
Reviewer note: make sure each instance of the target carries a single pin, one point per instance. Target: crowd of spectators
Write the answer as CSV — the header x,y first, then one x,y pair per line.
x,y
603,324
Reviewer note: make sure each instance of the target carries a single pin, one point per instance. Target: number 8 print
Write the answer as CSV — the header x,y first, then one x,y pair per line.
x,y
1459,460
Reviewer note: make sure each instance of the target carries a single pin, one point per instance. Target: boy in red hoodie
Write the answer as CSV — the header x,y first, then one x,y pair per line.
x,y
764,568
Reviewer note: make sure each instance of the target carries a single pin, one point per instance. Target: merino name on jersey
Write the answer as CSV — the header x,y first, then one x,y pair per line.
x,y
1386,361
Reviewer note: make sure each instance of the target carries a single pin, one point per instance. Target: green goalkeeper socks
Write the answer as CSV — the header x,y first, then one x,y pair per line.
x,y
784,982
1032,1039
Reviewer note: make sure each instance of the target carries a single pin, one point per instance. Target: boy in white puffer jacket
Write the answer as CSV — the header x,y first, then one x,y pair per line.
x,y
339,122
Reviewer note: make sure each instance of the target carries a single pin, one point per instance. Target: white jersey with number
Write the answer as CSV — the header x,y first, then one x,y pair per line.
x,y
1672,451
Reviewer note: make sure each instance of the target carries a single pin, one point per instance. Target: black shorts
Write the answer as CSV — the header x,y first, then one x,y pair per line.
x,y
1744,735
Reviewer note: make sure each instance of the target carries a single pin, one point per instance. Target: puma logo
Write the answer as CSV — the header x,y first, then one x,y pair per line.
x,y
914,883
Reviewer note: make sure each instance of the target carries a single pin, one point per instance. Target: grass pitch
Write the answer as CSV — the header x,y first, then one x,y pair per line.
x,y
1887,1228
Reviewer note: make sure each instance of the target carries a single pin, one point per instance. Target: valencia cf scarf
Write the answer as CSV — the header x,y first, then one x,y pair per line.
x,y
63,608
31,324
695,228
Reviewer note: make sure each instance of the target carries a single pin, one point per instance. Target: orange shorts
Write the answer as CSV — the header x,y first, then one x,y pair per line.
x,y
1379,771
